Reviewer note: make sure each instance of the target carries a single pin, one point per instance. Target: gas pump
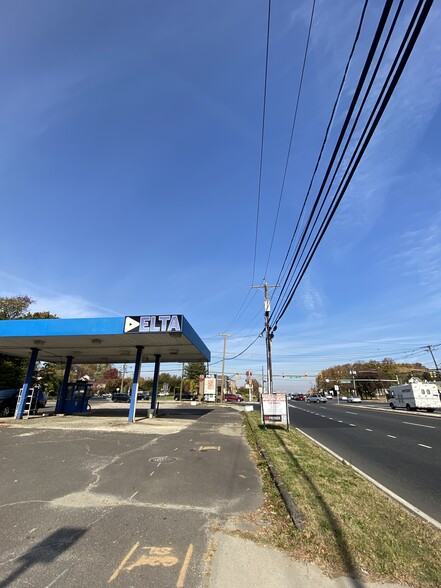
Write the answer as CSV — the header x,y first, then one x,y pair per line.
x,y
76,398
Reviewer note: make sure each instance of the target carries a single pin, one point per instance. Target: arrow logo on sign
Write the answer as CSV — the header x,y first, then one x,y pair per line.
x,y
130,324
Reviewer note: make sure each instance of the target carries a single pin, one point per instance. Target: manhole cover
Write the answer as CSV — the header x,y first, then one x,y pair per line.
x,y
162,459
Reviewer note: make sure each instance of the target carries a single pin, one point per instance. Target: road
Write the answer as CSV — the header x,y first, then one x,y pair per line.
x,y
399,449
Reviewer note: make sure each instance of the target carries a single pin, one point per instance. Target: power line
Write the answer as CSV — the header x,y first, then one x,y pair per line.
x,y
262,138
292,135
406,47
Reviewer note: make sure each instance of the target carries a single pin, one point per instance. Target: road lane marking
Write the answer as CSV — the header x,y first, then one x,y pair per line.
x,y
392,436
207,447
418,425
340,421
384,489
123,563
183,573
133,495
370,430
351,425
56,579
348,412
426,446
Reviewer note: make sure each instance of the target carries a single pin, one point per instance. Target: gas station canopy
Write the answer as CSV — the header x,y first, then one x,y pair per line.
x,y
104,340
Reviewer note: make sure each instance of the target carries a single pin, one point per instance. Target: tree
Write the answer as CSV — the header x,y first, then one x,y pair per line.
x,y
192,371
13,369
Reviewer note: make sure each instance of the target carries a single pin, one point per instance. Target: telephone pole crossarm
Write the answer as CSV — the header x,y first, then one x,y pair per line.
x,y
269,334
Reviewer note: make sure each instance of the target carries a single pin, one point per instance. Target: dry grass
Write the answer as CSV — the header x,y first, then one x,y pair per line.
x,y
350,527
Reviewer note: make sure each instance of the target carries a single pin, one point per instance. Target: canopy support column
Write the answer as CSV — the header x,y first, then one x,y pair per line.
x,y
27,383
155,383
135,384
59,407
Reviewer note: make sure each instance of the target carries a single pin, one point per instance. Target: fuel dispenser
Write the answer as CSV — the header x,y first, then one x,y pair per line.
x,y
76,398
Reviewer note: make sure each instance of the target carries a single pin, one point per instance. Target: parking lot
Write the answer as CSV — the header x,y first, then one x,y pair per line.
x,y
131,504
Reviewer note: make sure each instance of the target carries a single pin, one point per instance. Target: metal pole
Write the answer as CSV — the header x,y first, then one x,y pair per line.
x,y
123,376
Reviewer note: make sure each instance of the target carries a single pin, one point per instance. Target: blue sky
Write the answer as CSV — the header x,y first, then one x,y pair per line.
x,y
129,172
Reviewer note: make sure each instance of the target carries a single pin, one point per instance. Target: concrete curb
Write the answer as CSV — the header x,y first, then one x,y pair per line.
x,y
296,516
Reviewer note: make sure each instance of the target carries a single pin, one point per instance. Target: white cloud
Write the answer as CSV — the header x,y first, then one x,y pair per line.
x,y
63,305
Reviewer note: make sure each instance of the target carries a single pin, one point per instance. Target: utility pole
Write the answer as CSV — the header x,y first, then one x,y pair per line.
x,y
224,335
269,334
429,348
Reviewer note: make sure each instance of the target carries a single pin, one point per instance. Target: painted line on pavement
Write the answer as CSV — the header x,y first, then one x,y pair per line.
x,y
418,425
426,446
392,436
397,498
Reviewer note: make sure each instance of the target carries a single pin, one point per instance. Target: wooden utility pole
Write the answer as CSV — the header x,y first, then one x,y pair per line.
x,y
269,335
224,335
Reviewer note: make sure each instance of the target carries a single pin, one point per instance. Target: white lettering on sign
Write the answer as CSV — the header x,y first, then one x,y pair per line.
x,y
164,323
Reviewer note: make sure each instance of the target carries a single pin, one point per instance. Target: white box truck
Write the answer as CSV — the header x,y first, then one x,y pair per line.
x,y
415,396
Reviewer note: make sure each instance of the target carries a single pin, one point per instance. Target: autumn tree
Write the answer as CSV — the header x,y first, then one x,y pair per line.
x,y
13,369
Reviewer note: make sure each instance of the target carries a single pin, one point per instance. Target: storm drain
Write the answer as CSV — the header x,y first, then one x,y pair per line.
x,y
162,459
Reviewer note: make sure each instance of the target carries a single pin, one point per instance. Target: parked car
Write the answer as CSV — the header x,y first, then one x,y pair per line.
x,y
329,396
316,398
354,399
185,396
9,398
120,397
344,398
143,396
233,398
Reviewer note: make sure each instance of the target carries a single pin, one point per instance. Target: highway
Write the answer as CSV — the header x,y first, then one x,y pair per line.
x,y
399,449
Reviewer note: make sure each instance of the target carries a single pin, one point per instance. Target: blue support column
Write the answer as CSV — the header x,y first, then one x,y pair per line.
x,y
59,407
155,382
27,383
135,385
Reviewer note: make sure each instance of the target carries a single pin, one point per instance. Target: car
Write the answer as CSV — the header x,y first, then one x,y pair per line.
x,y
329,396
316,398
297,397
354,399
344,398
233,398
185,396
120,397
9,398
143,396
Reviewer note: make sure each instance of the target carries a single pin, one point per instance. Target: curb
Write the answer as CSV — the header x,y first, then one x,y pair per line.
x,y
296,516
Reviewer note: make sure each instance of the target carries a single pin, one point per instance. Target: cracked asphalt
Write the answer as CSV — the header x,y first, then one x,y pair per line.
x,y
97,501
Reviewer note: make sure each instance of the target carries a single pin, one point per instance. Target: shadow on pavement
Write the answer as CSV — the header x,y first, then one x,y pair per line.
x,y
45,551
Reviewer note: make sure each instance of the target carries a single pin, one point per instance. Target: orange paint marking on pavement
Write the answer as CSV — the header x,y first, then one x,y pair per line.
x,y
123,563
184,568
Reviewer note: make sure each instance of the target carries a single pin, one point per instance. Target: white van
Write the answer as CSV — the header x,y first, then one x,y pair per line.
x,y
415,396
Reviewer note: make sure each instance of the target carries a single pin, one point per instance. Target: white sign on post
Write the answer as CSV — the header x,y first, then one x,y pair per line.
x,y
274,408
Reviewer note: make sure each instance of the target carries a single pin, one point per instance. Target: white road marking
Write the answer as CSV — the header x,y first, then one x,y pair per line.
x,y
369,430
351,425
133,495
392,436
348,412
340,421
426,446
56,579
418,425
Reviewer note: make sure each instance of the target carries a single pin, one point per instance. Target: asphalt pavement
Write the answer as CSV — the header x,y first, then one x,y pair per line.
x,y
93,499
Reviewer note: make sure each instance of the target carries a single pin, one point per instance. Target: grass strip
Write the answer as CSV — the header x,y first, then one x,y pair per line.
x,y
349,527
